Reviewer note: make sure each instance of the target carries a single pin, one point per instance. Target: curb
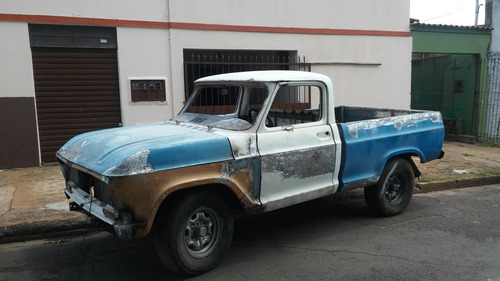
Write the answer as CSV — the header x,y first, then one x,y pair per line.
x,y
40,230
43,229
455,184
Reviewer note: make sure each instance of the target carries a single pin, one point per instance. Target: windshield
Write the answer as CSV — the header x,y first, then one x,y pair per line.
x,y
225,106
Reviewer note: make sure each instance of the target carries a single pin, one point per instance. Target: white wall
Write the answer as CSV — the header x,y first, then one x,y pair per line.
x,y
339,14
386,85
158,52
150,10
16,68
143,54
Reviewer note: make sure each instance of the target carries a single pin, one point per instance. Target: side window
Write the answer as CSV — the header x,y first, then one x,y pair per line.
x,y
295,104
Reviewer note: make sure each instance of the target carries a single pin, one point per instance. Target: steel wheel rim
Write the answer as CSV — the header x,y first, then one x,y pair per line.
x,y
395,190
202,233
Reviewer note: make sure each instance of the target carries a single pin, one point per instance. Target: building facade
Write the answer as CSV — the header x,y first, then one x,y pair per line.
x,y
450,74
72,66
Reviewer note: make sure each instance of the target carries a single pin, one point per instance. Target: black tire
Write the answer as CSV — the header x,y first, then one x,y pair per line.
x,y
194,234
392,193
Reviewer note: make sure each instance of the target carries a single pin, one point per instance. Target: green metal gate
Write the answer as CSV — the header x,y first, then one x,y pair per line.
x,y
449,84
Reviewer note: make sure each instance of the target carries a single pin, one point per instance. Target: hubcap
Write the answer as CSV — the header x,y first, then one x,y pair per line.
x,y
395,190
201,233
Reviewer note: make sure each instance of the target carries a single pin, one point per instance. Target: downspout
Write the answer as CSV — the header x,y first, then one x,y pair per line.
x,y
477,11
169,62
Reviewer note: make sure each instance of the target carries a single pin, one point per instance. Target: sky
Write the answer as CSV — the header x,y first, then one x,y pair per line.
x,y
452,12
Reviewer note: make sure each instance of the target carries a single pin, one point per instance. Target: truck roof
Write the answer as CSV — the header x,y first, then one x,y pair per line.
x,y
268,76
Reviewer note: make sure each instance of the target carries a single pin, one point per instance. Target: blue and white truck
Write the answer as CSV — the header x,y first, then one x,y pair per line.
x,y
248,142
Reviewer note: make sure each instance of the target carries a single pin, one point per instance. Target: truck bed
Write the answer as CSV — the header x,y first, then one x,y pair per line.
x,y
344,114
372,136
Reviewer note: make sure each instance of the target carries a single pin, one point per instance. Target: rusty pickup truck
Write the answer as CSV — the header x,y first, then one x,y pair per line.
x,y
248,142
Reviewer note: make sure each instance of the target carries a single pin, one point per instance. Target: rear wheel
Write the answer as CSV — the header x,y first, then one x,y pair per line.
x,y
392,193
195,233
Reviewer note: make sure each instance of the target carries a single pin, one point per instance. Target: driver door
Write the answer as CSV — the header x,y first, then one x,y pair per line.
x,y
297,147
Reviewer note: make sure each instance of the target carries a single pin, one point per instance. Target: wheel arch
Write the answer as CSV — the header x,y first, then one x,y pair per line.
x,y
227,194
157,189
393,191
406,155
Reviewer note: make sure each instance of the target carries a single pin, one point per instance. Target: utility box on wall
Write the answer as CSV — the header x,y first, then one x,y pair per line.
x,y
144,90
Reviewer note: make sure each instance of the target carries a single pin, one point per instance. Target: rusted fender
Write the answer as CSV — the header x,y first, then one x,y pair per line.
x,y
142,195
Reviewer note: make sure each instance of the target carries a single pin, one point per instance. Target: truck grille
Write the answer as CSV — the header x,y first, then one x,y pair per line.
x,y
86,182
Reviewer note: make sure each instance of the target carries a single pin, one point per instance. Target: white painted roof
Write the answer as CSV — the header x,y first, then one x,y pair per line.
x,y
268,76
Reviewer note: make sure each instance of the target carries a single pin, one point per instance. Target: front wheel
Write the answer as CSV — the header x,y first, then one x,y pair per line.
x,y
194,233
392,193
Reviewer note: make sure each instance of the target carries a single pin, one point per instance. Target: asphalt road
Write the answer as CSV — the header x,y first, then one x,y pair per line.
x,y
447,235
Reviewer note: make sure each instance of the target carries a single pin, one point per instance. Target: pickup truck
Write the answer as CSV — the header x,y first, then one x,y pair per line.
x,y
247,142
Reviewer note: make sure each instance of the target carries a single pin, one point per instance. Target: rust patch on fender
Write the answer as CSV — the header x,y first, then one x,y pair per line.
x,y
245,174
142,195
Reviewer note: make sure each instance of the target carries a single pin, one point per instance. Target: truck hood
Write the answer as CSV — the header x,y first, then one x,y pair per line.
x,y
143,149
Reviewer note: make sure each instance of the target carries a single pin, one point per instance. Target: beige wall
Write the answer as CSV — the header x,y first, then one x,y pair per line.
x,y
143,54
149,10
16,71
371,69
365,70
340,14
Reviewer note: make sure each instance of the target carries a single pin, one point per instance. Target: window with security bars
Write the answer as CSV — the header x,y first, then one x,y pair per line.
x,y
202,63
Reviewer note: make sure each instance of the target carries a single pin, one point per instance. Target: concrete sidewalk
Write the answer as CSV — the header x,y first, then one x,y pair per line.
x,y
32,201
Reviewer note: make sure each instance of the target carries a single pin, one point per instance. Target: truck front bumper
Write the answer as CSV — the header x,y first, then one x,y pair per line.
x,y
82,200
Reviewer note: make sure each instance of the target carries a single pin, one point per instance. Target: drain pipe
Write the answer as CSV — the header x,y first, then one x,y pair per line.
x,y
477,11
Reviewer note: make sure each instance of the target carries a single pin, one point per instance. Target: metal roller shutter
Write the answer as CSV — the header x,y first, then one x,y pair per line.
x,y
76,91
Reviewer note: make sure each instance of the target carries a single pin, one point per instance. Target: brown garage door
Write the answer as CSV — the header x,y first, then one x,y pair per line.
x,y
76,91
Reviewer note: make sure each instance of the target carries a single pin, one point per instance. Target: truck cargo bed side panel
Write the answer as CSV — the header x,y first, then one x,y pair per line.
x,y
369,144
